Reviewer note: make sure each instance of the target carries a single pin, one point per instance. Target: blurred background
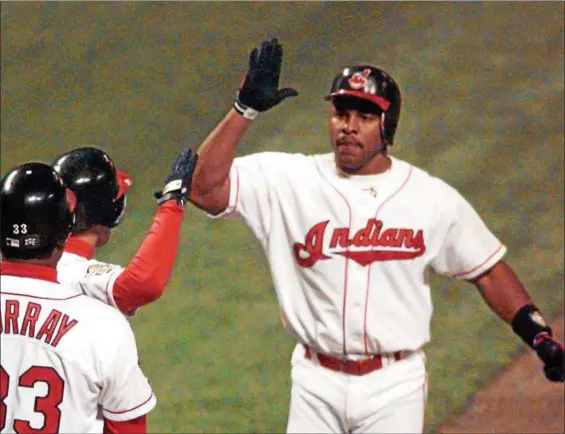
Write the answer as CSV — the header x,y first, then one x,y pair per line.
x,y
483,108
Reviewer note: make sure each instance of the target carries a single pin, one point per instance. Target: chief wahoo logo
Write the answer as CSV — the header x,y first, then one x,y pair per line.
x,y
359,79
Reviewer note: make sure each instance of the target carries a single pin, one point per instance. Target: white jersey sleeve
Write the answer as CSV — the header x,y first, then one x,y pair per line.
x,y
252,178
126,393
469,248
93,278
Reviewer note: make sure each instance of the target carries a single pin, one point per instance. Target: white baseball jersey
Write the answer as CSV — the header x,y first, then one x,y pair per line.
x,y
79,271
349,254
67,360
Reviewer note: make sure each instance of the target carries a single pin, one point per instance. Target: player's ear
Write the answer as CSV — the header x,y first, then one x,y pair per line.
x,y
103,235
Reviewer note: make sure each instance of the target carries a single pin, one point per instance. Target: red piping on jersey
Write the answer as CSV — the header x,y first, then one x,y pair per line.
x,y
31,271
479,266
76,246
146,276
365,335
365,338
131,409
41,298
346,271
345,280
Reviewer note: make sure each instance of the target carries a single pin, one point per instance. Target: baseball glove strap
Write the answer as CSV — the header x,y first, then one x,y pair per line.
x,y
243,110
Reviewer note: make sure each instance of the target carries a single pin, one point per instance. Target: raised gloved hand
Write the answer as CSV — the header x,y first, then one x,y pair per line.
x,y
550,351
177,184
259,90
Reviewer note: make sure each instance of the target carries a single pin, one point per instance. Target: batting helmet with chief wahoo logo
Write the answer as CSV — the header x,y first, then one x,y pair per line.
x,y
374,85
100,189
37,212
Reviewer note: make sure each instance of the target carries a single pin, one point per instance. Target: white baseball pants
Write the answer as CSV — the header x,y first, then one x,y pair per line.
x,y
389,400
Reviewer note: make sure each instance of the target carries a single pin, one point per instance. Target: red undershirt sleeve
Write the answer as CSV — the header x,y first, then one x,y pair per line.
x,y
146,276
134,426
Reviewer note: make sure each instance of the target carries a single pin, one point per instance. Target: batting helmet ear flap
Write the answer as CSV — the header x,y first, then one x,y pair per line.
x,y
383,131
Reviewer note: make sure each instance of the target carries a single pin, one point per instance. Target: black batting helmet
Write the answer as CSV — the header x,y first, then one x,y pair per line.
x,y
375,85
37,212
100,189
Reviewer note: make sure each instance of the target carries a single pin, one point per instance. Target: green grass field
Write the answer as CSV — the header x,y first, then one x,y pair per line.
x,y
483,87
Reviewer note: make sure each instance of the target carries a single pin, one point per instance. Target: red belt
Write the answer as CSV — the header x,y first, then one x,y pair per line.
x,y
352,367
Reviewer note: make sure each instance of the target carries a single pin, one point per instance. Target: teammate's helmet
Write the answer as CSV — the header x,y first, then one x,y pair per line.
x,y
100,189
374,85
37,212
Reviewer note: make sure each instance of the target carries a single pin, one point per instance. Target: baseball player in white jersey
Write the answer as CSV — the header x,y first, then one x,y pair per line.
x,y
349,236
68,363
101,196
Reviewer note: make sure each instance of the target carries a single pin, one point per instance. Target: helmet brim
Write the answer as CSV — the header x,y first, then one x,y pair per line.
x,y
124,183
382,103
71,199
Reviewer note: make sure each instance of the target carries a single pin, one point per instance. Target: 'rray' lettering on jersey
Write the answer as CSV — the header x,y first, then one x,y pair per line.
x,y
401,244
24,320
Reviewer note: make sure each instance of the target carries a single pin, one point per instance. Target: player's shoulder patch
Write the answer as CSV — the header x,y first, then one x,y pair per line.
x,y
99,269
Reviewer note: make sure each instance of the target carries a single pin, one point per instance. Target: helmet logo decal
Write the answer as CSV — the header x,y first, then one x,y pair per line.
x,y
359,79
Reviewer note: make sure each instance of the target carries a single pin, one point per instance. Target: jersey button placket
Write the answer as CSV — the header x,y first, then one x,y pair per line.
x,y
354,309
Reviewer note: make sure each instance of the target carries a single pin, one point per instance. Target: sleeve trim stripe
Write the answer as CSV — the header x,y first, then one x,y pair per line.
x,y
131,409
232,207
237,190
481,265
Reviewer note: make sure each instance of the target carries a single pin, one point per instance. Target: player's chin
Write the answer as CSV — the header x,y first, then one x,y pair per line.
x,y
347,163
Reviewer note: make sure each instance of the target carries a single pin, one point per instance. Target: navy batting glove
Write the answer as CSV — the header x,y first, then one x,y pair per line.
x,y
177,184
551,353
259,90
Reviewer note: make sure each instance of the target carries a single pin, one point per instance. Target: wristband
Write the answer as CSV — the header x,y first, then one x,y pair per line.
x,y
173,185
528,323
243,110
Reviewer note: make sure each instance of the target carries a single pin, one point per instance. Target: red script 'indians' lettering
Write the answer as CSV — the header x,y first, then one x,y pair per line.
x,y
310,252
400,244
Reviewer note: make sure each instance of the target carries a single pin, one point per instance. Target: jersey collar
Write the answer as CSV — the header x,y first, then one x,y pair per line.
x,y
396,177
76,246
32,271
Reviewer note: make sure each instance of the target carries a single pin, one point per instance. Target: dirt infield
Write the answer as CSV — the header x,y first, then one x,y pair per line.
x,y
520,400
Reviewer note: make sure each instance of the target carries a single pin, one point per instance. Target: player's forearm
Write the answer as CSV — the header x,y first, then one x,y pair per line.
x,y
146,276
503,291
217,152
506,295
